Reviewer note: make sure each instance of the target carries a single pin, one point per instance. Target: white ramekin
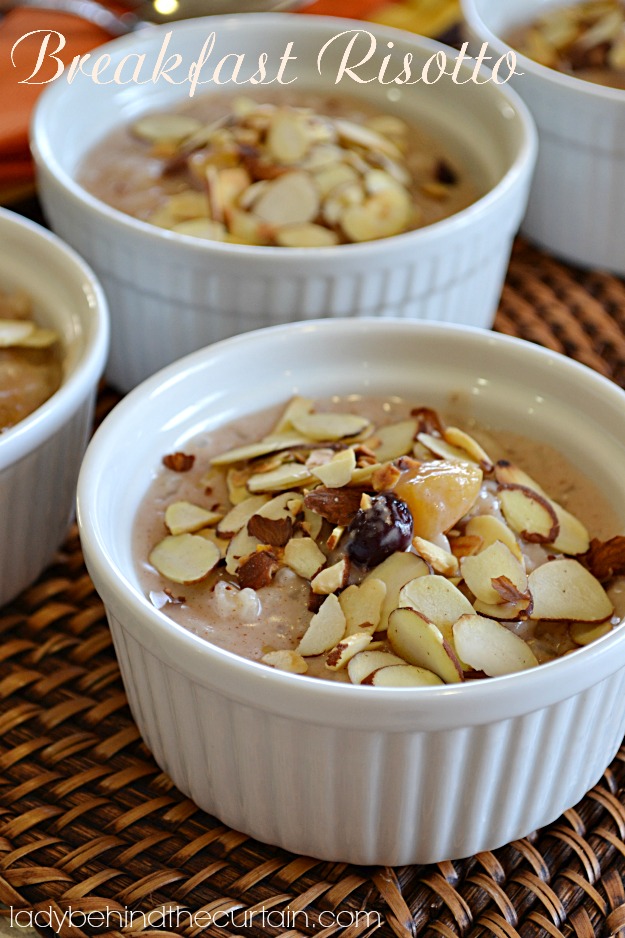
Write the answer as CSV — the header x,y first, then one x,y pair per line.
x,y
577,197
366,775
170,294
40,456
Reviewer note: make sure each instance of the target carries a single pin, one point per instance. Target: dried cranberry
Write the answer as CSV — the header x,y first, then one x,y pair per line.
x,y
379,531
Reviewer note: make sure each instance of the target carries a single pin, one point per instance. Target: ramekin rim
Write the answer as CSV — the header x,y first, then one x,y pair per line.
x,y
131,598
27,435
523,160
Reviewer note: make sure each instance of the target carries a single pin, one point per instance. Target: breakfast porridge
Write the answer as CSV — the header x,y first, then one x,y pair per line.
x,y
367,540
327,171
584,39
30,364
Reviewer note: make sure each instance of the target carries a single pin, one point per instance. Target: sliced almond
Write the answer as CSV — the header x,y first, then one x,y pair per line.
x,y
335,536
185,518
362,605
366,662
286,476
329,178
340,656
185,558
563,589
421,643
284,660
573,537
14,331
584,633
238,516
465,545
388,125
306,236
188,205
441,561
270,444
202,228
507,473
471,447
437,599
326,629
441,447
210,534
395,572
385,477
312,523
292,199
338,471
505,612
495,561
240,547
490,529
288,141
332,578
170,128
403,675
304,557
382,215
38,338
394,440
488,646
529,514
296,407
247,228
366,137
330,426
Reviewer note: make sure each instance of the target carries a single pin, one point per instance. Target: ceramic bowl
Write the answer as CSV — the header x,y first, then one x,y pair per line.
x,y
367,775
41,455
575,206
170,293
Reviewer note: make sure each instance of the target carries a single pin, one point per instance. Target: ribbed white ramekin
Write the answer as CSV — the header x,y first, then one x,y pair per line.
x,y
577,197
359,774
170,294
40,457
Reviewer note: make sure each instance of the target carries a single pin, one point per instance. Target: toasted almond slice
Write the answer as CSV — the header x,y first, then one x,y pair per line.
x,y
403,675
421,643
362,605
497,560
332,578
584,633
573,538
246,228
338,471
437,599
330,426
285,505
306,236
252,193
529,514
15,331
395,572
288,140
291,199
238,516
340,656
237,485
505,612
296,407
364,474
270,444
312,523
488,646
377,180
240,547
185,558
202,228
326,629
304,557
490,529
563,589
471,447
361,136
169,128
187,205
330,178
284,660
441,560
382,215
366,662
185,518
441,447
39,338
384,478
321,156
388,125
394,440
465,545
507,473
286,476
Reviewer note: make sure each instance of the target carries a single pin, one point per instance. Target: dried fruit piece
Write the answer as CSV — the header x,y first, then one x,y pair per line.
x,y
366,662
495,561
395,572
284,660
381,529
303,556
488,646
340,656
403,675
529,514
421,643
362,605
326,629
564,589
184,558
186,518
438,494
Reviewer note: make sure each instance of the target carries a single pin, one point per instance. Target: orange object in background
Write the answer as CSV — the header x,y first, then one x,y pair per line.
x,y
351,9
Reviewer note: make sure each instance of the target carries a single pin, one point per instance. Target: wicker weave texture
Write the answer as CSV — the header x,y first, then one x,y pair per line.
x,y
88,823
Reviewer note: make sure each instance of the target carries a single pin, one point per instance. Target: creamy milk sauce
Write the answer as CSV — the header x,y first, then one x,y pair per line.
x,y
277,615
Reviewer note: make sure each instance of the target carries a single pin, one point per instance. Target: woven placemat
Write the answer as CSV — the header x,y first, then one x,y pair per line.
x,y
96,840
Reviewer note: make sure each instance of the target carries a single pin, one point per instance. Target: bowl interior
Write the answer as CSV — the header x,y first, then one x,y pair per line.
x,y
504,383
500,16
463,116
